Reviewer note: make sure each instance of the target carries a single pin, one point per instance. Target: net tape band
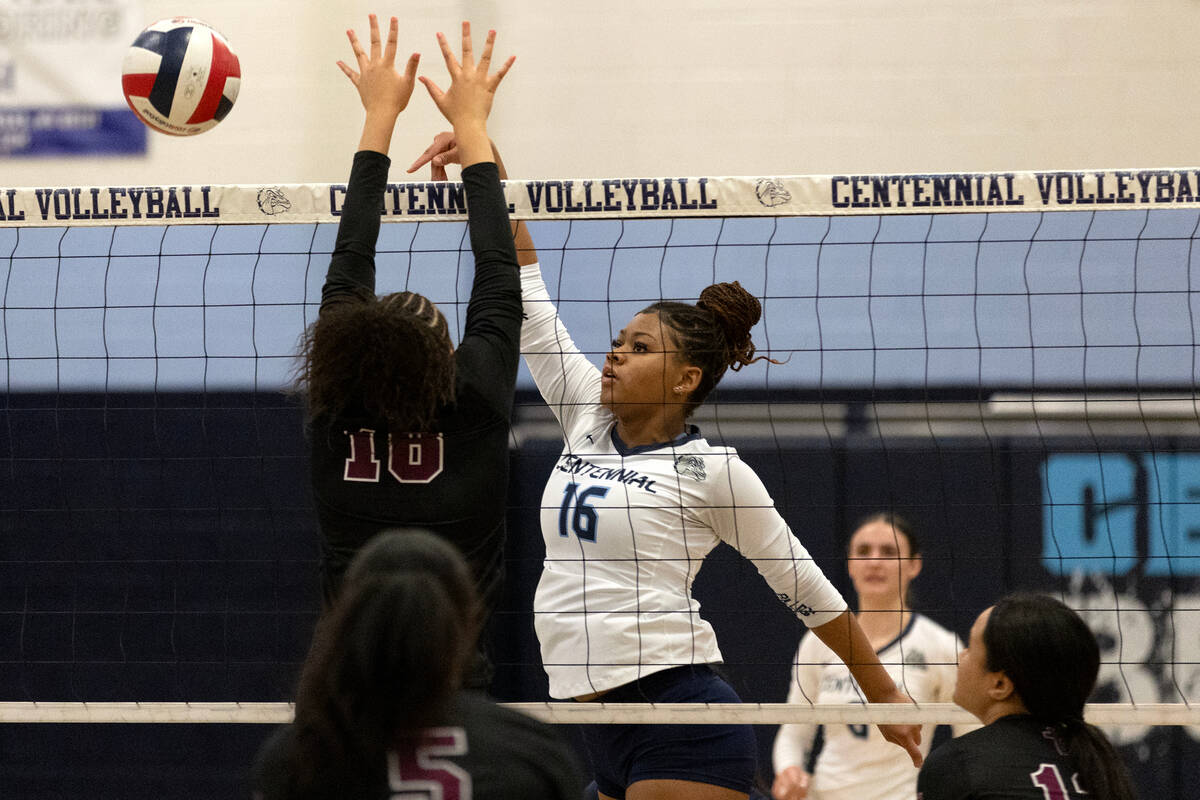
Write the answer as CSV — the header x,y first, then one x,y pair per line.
x,y
615,197
596,713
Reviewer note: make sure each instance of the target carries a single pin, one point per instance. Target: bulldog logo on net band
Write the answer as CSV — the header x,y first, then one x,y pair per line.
x,y
691,466
771,193
272,200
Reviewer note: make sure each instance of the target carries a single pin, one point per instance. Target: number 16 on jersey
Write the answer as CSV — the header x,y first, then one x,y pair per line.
x,y
577,515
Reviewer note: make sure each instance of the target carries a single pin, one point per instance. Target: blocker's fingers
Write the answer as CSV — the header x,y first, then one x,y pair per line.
x,y
389,50
486,58
356,46
447,53
436,93
467,53
374,38
349,73
500,73
410,69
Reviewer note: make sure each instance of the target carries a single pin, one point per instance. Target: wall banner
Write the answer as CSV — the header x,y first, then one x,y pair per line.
x,y
60,78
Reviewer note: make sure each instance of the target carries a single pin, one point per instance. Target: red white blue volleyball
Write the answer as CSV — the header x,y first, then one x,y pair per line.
x,y
180,76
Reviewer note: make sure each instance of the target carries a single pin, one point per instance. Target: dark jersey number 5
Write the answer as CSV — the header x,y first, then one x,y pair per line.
x,y
423,769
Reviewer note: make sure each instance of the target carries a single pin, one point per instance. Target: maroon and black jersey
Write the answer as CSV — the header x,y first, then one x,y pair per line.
x,y
1014,758
454,480
481,750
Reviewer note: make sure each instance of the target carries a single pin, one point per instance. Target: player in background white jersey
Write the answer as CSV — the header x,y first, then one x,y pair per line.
x,y
635,502
855,763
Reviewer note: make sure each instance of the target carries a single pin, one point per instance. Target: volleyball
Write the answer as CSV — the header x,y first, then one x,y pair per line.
x,y
180,76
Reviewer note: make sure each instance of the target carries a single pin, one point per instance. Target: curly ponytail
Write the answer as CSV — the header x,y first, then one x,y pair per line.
x,y
713,334
736,311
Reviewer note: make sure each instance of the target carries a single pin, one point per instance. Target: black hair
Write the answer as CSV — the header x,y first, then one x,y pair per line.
x,y
1052,659
713,334
386,358
386,660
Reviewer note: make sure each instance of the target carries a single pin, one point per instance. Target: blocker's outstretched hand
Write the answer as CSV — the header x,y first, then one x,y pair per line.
x,y
468,101
381,88
384,91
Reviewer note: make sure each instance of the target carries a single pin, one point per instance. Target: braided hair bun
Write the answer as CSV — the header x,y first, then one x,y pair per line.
x,y
736,311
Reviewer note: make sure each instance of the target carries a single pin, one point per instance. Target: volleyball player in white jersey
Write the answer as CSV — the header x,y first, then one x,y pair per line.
x,y
635,502
855,763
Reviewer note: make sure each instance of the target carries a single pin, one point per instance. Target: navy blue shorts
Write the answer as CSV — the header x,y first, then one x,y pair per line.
x,y
720,755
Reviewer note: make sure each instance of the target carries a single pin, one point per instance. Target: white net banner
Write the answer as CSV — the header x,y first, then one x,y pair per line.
x,y
615,197
1118,714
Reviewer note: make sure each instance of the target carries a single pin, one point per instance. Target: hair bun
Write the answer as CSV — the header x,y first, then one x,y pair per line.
x,y
736,311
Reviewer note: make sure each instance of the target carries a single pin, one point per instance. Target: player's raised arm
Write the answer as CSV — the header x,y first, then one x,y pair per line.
x,y
384,93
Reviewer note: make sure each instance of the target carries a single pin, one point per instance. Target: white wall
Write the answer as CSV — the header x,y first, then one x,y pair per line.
x,y
709,87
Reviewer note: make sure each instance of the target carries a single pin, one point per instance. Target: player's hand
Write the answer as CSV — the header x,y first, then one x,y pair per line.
x,y
443,151
906,736
381,88
468,101
791,784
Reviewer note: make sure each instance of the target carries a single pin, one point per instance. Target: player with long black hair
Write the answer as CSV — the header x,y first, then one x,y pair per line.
x,y
380,711
1028,669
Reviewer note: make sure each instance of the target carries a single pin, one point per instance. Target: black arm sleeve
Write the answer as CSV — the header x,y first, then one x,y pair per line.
x,y
351,272
490,349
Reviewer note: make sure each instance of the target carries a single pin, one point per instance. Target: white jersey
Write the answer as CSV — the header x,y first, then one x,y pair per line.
x,y
856,762
627,529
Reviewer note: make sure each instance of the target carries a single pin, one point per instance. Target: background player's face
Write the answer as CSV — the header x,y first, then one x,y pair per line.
x,y
973,679
641,368
881,564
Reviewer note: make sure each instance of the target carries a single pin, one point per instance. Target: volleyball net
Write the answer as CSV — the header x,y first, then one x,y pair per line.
x,y
1008,359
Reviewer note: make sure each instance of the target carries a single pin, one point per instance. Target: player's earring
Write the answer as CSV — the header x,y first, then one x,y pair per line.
x,y
678,390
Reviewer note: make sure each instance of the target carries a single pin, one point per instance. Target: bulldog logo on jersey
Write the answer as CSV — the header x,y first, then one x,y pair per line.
x,y
691,466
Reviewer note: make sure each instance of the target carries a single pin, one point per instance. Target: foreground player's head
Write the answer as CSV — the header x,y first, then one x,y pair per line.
x,y
884,556
386,658
673,354
388,358
1031,654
